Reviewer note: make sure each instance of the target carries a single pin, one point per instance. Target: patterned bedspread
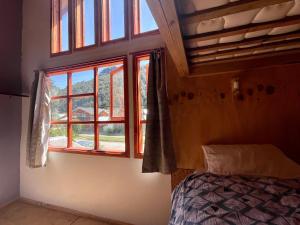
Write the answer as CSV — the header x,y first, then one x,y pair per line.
x,y
208,199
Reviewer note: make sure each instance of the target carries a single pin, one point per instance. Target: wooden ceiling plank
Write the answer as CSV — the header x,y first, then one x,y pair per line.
x,y
250,41
165,14
291,20
245,63
246,57
287,43
228,9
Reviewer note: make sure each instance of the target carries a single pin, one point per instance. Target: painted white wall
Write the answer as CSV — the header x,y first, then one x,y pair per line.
x,y
10,129
107,187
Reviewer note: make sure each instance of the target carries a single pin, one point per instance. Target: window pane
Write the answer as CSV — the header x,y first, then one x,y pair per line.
x,y
147,22
60,26
89,22
59,110
85,23
143,65
83,82
58,136
143,134
64,25
83,109
83,136
113,19
111,92
58,85
142,74
55,20
112,137
117,87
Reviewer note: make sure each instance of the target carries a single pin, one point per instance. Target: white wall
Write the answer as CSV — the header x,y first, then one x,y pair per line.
x,y
103,186
10,129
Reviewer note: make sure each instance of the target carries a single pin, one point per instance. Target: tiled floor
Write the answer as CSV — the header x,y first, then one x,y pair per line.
x,y
20,213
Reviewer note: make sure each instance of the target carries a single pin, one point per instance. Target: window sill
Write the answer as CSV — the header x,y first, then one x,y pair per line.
x,y
138,155
145,34
90,152
78,49
114,41
60,53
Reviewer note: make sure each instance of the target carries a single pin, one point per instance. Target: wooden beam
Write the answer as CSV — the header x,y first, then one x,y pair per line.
x,y
291,20
250,41
228,9
269,46
165,14
249,57
226,66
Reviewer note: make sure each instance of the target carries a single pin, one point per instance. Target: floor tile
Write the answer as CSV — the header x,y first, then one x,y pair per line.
x,y
84,221
25,214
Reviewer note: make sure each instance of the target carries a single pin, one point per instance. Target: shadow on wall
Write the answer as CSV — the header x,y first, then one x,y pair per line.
x,y
266,111
10,132
10,45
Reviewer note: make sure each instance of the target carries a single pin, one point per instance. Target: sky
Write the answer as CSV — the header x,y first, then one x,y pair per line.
x,y
147,21
89,22
60,81
117,22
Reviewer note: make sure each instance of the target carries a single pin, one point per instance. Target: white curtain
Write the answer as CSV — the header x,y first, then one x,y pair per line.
x,y
39,121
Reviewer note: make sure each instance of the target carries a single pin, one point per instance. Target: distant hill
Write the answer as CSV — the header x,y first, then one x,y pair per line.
x,y
59,106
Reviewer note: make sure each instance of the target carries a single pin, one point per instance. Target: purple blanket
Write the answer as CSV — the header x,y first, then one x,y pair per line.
x,y
208,199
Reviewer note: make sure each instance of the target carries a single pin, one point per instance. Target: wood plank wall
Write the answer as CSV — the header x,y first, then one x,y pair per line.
x,y
204,111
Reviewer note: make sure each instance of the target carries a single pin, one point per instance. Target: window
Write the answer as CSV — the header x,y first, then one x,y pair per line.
x,y
60,28
82,18
141,68
85,28
114,20
143,21
89,112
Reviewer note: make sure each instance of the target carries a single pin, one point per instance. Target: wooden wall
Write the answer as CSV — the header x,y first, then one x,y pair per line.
x,y
204,111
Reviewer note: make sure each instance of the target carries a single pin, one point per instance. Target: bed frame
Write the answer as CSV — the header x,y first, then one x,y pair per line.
x,y
179,175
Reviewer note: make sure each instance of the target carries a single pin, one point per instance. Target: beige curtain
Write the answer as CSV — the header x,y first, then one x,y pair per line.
x,y
159,155
39,118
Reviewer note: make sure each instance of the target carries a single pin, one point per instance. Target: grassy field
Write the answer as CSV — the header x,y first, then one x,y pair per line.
x,y
104,138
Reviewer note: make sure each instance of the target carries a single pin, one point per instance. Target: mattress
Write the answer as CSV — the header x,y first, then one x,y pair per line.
x,y
208,199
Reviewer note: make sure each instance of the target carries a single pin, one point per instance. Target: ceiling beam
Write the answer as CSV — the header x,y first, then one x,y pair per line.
x,y
291,20
248,57
246,63
250,41
165,14
269,46
228,9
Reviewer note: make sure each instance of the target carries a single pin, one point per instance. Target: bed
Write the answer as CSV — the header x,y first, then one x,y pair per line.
x,y
209,198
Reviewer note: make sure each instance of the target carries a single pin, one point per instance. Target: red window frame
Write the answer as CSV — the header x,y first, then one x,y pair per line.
x,y
135,21
55,43
105,23
79,28
138,122
96,122
100,30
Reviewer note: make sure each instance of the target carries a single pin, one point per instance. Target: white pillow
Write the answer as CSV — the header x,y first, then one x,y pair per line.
x,y
255,160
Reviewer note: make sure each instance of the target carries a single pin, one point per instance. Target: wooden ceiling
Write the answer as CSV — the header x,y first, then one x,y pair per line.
x,y
202,33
